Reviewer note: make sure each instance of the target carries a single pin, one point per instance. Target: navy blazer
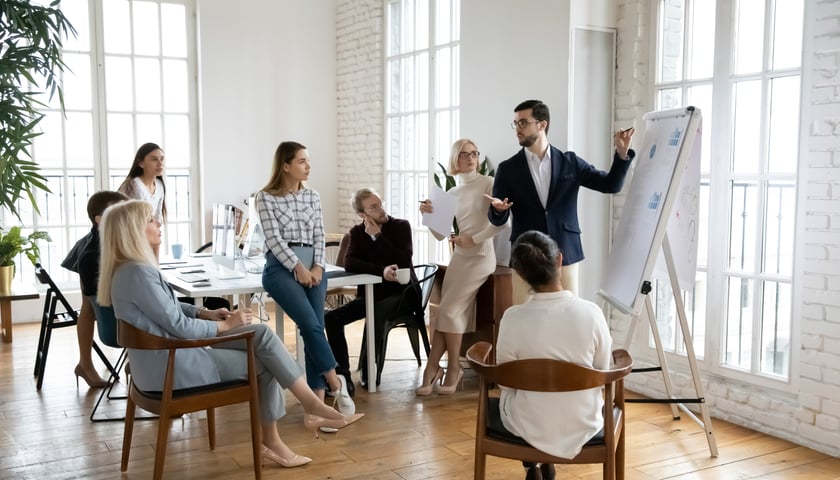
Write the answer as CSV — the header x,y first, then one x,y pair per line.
x,y
559,219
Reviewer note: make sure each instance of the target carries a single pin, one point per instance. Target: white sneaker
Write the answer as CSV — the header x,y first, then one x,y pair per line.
x,y
342,401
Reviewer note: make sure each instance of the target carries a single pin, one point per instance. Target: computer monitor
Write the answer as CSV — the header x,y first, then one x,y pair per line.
x,y
225,222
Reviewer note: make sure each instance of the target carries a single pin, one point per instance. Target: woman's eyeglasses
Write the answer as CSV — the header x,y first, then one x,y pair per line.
x,y
466,155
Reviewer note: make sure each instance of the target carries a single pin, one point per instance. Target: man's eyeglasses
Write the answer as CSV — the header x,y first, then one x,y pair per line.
x,y
466,155
517,124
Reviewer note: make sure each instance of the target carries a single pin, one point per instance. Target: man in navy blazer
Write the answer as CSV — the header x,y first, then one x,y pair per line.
x,y
540,184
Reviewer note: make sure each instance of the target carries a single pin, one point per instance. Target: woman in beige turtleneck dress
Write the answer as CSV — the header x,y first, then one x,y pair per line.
x,y
472,262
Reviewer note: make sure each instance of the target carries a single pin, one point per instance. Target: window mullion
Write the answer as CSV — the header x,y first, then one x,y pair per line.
x,y
431,250
102,174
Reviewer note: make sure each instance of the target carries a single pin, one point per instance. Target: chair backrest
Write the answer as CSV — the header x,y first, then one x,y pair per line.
x,y
53,295
426,282
204,247
546,375
106,323
342,249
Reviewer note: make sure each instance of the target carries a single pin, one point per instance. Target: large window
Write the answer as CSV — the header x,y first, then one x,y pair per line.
x,y
422,100
739,62
130,81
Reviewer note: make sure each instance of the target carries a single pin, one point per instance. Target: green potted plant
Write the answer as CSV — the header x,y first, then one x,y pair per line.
x,y
484,168
12,244
31,38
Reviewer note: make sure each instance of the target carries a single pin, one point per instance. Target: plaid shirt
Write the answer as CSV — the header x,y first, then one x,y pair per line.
x,y
294,217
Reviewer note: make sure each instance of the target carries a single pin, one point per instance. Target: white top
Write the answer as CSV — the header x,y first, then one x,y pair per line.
x,y
135,189
540,168
471,212
561,326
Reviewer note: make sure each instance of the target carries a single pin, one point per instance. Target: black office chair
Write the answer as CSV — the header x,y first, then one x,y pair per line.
x,y
410,315
58,313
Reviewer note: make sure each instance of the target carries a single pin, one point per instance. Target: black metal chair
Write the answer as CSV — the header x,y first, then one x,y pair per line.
x,y
410,314
58,313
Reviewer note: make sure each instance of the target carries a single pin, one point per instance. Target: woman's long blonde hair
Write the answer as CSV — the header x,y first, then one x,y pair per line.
x,y
122,233
284,154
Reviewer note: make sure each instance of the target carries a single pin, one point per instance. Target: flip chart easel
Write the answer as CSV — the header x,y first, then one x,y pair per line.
x,y
642,231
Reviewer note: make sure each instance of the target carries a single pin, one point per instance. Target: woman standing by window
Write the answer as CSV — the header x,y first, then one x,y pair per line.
x,y
293,223
145,179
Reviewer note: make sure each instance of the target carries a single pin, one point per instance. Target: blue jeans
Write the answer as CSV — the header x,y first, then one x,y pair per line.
x,y
305,306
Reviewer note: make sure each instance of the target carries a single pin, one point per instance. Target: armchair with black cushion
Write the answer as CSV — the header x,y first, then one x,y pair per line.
x,y
58,313
410,314
172,403
548,375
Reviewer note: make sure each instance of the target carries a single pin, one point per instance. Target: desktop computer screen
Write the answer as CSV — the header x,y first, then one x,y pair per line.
x,y
226,220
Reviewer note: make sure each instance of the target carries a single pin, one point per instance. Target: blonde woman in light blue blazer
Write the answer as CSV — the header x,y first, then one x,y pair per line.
x,y
131,282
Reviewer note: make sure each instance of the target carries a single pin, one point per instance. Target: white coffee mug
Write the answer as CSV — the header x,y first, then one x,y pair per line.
x,y
403,275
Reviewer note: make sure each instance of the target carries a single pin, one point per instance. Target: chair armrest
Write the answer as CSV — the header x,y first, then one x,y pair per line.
x,y
130,336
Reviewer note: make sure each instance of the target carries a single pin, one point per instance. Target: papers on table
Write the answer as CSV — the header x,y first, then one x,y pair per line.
x,y
443,206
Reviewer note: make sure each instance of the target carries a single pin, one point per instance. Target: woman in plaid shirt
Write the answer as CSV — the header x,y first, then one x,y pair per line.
x,y
292,220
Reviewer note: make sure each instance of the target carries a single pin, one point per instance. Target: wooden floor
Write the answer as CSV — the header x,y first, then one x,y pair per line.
x,y
48,434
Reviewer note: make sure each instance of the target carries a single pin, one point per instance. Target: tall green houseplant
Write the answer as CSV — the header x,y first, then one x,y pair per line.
x,y
31,39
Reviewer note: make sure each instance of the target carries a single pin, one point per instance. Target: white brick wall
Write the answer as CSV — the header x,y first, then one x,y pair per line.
x,y
810,417
360,45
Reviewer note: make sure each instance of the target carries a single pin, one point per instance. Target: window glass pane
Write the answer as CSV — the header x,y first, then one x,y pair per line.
x,y
177,141
784,125
666,317
147,75
787,34
700,96
47,148
672,15
442,77
422,137
117,26
743,223
146,28
77,87
422,82
407,76
749,36
443,142
79,189
779,225
394,82
149,129
701,56
394,142
177,197
173,30
738,336
175,95
747,126
669,98
695,306
76,12
420,25
119,84
408,26
121,144
775,328
456,76
79,139
443,25
395,25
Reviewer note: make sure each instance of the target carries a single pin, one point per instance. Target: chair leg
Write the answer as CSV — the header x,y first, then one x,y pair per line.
x,y
211,427
425,336
130,410
114,371
255,436
39,351
619,456
44,351
160,446
380,356
480,464
112,380
415,343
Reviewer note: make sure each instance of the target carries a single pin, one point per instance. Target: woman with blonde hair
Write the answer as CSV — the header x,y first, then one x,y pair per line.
x,y
130,281
291,218
473,260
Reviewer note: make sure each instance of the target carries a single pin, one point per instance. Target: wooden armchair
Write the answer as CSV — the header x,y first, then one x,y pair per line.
x,y
172,403
545,375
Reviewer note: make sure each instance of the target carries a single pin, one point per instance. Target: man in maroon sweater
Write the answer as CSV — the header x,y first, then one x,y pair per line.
x,y
378,246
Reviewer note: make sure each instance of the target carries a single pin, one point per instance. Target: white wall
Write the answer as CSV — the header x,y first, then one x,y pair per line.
x,y
267,74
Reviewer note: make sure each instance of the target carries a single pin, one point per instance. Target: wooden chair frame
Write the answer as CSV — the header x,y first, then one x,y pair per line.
x,y
172,403
546,375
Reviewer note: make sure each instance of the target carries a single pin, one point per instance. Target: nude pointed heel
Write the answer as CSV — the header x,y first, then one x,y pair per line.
x,y
295,461
425,390
450,389
92,382
314,422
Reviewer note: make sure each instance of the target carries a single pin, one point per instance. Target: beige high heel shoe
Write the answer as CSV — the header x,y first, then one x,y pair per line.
x,y
314,422
295,461
450,389
424,390
92,382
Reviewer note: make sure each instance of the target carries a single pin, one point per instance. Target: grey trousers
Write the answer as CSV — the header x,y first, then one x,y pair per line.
x,y
276,369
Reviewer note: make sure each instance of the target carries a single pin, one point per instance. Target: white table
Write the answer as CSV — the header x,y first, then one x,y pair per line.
x,y
252,283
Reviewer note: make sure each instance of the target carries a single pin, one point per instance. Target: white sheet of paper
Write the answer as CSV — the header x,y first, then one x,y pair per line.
x,y
443,204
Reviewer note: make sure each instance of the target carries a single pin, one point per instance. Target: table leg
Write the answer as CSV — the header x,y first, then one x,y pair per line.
x,y
6,320
371,342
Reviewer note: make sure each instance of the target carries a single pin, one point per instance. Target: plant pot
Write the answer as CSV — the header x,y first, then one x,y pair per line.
x,y
7,274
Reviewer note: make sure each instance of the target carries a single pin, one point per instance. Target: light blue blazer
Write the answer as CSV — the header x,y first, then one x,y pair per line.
x,y
141,297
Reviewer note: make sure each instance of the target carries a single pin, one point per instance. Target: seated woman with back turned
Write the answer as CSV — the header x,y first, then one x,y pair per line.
x,y
554,324
130,281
